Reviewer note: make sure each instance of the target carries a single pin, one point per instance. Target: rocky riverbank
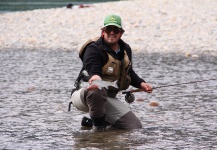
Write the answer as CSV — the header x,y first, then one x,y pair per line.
x,y
151,26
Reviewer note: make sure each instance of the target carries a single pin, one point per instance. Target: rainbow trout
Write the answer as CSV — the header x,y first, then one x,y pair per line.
x,y
101,84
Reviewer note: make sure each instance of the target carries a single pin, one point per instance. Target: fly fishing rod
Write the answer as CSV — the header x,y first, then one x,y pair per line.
x,y
129,97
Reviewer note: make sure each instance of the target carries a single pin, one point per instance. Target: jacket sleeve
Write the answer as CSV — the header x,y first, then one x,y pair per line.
x,y
93,60
135,79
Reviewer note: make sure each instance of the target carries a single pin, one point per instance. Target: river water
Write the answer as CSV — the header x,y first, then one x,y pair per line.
x,y
35,90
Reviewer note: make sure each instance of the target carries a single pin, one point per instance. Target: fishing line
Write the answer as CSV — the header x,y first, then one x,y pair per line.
x,y
129,97
190,82
169,85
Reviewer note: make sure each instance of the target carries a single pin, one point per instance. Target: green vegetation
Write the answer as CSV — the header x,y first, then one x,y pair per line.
x,y
22,5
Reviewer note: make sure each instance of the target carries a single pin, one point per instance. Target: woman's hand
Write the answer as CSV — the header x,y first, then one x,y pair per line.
x,y
93,86
146,87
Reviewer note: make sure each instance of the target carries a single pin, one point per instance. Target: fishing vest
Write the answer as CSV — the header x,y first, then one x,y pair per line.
x,y
114,69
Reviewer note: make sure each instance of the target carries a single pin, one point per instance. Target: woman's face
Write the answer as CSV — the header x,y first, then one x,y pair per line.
x,y
112,34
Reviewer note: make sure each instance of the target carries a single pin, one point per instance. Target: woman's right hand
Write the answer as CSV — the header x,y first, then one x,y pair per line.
x,y
93,86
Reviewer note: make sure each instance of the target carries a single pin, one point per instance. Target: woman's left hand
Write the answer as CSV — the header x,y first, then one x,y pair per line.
x,y
146,87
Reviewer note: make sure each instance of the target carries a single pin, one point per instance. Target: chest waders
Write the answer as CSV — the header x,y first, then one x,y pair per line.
x,y
96,103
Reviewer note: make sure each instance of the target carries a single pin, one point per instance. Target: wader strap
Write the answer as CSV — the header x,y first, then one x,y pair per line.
x,y
80,76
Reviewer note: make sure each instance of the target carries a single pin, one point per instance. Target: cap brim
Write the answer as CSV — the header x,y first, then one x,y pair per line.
x,y
113,24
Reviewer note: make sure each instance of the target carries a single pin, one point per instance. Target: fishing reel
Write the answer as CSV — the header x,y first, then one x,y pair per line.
x,y
129,97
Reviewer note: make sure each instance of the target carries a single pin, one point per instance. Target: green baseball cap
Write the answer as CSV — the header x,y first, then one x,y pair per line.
x,y
114,20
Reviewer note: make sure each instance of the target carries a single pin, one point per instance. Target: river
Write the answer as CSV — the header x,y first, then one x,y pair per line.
x,y
35,91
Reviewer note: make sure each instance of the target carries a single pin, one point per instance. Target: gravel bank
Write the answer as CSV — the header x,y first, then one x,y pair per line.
x,y
151,26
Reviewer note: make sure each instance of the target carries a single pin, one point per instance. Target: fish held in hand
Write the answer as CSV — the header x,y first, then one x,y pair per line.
x,y
100,84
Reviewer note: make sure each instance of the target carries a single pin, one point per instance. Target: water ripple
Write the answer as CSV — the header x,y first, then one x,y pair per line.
x,y
35,90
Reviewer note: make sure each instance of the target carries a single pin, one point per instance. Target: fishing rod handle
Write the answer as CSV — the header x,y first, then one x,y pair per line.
x,y
132,91
136,90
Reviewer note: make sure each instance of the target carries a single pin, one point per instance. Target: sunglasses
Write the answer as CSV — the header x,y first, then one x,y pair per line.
x,y
115,30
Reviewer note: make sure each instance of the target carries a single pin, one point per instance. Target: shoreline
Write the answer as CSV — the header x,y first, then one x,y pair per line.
x,y
153,26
